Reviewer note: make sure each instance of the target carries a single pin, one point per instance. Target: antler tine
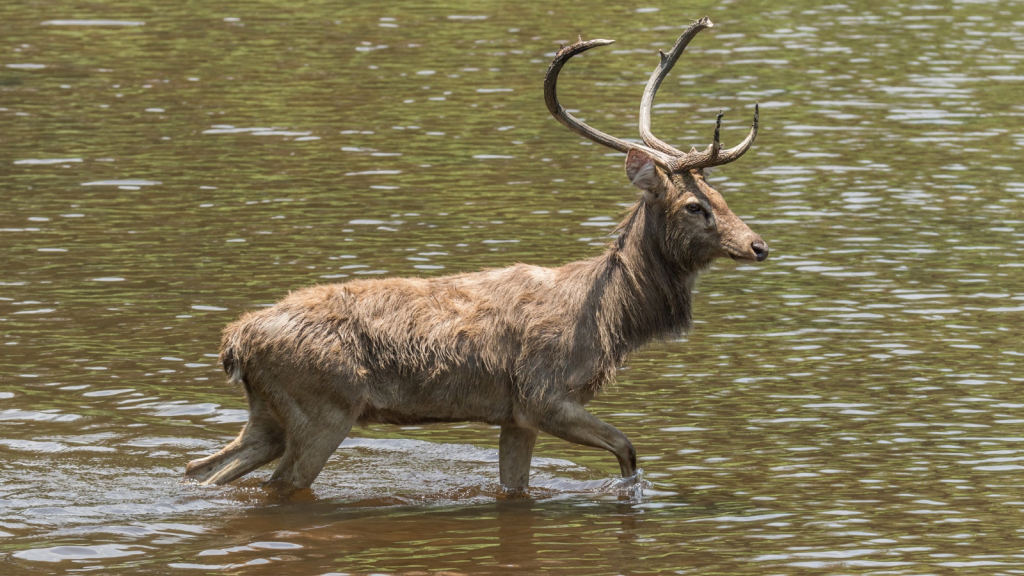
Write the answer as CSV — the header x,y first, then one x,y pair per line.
x,y
572,123
713,155
716,143
659,74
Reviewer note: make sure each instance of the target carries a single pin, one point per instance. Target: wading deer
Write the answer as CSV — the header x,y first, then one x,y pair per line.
x,y
524,347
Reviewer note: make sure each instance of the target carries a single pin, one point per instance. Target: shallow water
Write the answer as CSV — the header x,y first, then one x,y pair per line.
x,y
849,406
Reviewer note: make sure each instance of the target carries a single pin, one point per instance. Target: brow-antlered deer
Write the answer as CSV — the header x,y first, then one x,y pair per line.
x,y
523,347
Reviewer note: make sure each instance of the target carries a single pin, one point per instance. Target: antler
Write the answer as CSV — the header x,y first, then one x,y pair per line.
x,y
572,123
713,155
664,155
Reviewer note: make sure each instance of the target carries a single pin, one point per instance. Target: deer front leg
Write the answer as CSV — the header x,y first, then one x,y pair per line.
x,y
572,422
515,450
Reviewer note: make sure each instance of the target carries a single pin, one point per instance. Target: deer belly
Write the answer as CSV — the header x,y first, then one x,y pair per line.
x,y
421,401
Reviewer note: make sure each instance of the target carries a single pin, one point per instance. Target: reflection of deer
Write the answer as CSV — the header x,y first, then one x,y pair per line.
x,y
523,347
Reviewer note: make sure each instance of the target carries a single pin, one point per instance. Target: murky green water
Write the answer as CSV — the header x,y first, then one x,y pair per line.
x,y
852,405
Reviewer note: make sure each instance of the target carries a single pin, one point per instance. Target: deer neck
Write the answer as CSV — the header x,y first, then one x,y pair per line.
x,y
649,294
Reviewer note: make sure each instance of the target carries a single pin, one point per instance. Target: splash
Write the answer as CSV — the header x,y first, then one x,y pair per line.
x,y
630,488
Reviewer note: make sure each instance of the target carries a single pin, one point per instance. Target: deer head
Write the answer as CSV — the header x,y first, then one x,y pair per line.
x,y
697,225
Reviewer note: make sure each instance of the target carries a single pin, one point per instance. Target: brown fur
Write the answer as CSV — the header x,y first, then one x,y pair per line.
x,y
523,347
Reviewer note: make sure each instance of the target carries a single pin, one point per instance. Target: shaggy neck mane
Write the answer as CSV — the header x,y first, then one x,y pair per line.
x,y
639,292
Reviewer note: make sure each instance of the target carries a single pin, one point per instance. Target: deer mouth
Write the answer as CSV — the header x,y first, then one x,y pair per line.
x,y
743,257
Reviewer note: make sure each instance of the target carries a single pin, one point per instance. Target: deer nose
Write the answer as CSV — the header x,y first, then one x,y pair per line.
x,y
760,249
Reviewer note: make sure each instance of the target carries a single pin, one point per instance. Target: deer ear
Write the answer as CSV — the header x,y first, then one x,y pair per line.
x,y
643,173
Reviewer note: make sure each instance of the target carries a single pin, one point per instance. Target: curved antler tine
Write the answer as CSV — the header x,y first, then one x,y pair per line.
x,y
571,122
667,61
726,156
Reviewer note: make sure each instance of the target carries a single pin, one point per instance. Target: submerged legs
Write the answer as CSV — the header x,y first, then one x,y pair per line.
x,y
303,432
303,454
515,450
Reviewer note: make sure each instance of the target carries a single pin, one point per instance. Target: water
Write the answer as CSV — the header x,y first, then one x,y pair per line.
x,y
848,406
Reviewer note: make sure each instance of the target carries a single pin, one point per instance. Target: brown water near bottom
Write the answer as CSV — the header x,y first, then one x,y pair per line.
x,y
813,482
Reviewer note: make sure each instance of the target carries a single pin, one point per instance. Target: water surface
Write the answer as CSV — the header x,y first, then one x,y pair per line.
x,y
851,405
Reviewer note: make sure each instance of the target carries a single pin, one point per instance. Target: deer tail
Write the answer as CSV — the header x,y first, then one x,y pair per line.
x,y
231,354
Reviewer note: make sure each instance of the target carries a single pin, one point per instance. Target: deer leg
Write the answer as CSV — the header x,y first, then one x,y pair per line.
x,y
309,447
573,423
515,450
261,441
254,447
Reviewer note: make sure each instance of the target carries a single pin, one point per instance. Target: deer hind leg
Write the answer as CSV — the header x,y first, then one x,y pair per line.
x,y
253,448
515,450
262,440
257,445
573,423
311,438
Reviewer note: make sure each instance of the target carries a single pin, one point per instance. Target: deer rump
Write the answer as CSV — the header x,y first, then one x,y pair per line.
x,y
524,347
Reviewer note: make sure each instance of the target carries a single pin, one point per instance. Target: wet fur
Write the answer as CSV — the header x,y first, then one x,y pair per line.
x,y
523,347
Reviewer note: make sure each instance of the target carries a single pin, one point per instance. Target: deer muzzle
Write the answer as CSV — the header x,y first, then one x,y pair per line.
x,y
748,248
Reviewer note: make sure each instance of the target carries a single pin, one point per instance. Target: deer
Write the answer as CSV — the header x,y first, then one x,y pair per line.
x,y
523,348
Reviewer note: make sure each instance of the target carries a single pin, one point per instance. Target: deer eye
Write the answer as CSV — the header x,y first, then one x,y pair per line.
x,y
694,208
